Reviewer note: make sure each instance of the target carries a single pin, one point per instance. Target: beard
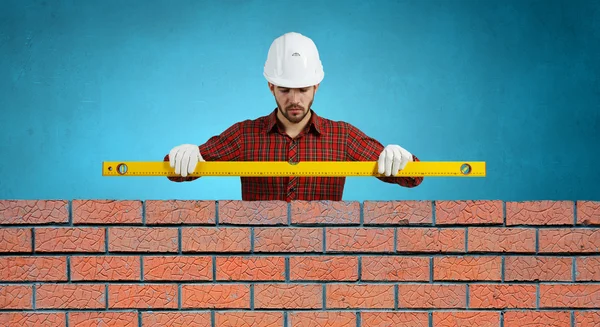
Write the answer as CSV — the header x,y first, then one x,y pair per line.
x,y
294,117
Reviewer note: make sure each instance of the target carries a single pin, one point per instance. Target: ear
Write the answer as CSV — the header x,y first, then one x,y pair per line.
x,y
271,88
316,87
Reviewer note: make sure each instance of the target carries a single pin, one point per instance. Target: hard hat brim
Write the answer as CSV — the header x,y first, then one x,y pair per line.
x,y
298,84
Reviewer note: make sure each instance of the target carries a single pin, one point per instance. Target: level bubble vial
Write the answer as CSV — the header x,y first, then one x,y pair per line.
x,y
465,169
122,169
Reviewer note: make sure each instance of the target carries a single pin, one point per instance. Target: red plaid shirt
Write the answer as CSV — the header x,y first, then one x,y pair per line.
x,y
262,139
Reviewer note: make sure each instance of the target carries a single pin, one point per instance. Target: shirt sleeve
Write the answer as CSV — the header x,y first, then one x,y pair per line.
x,y
222,147
361,147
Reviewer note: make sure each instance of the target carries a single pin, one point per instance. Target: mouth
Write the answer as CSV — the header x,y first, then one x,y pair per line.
x,y
295,110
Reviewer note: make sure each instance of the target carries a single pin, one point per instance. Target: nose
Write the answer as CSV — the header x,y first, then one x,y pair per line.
x,y
294,96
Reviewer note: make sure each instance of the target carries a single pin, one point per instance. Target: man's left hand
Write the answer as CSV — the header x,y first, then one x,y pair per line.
x,y
392,159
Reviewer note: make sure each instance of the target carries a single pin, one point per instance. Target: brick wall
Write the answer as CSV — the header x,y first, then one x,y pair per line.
x,y
233,263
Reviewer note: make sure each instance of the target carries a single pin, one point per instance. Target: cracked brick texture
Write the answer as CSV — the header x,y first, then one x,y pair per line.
x,y
324,268
180,212
107,211
288,296
70,239
373,318
325,212
538,318
15,240
33,211
202,263
540,213
176,319
468,212
322,319
33,319
466,318
93,319
105,268
541,268
398,212
588,212
255,212
70,296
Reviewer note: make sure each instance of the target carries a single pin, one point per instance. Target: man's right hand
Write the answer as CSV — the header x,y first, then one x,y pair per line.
x,y
184,158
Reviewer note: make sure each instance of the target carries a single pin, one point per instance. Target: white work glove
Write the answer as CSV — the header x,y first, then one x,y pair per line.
x,y
184,158
392,159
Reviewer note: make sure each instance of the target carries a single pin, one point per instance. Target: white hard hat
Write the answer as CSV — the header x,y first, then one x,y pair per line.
x,y
293,61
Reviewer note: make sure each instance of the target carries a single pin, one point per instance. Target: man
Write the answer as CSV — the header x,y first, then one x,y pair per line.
x,y
293,132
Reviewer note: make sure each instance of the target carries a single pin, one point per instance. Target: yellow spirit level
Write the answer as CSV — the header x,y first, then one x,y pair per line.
x,y
303,168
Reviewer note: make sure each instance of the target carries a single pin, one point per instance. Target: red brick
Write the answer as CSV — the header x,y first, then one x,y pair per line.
x,y
240,268
253,212
325,212
16,297
33,319
33,211
107,212
423,239
432,296
537,318
360,296
394,268
215,239
69,239
588,269
288,296
105,268
288,239
324,268
499,296
397,212
569,296
534,268
363,239
588,212
216,296
70,296
248,319
587,318
468,212
472,268
142,296
176,319
143,239
180,212
500,239
197,268
15,239
540,213
321,319
562,240
105,319
33,269
466,318
396,319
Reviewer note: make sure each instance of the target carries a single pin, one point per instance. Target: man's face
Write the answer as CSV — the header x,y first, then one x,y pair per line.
x,y
294,104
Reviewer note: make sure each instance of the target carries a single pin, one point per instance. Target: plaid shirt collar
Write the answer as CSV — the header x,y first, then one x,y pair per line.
x,y
315,124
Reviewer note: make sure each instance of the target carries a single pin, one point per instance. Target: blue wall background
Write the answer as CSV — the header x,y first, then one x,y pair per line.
x,y
512,83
